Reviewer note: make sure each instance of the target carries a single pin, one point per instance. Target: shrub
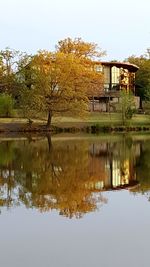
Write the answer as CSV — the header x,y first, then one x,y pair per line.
x,y
6,105
127,106
130,112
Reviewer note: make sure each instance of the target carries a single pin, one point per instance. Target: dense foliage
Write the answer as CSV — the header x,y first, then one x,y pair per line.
x,y
52,82
60,81
142,79
6,105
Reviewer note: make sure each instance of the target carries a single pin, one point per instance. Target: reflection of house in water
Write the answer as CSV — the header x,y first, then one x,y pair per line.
x,y
110,171
121,174
64,180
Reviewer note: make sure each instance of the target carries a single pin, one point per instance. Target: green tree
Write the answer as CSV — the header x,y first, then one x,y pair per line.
x,y
9,67
142,78
127,105
6,105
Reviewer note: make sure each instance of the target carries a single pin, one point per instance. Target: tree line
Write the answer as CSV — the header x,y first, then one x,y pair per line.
x,y
52,82
142,79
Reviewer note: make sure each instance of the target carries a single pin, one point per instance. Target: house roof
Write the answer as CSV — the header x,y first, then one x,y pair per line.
x,y
124,65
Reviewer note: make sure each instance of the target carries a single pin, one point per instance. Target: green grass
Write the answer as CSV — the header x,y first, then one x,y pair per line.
x,y
102,119
17,120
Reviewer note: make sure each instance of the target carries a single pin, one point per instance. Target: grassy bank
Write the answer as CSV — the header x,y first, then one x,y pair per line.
x,y
94,122
103,119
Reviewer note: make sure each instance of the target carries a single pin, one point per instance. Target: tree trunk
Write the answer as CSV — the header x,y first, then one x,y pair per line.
x,y
123,116
49,119
141,106
49,142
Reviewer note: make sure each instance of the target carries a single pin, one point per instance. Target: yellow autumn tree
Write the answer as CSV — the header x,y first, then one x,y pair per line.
x,y
62,81
89,55
80,48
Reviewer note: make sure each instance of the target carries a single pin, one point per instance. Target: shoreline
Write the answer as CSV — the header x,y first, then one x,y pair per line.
x,y
92,129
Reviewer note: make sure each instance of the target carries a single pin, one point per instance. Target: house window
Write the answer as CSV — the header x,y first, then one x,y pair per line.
x,y
99,68
115,75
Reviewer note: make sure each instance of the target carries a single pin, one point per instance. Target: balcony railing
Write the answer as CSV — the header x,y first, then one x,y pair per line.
x,y
111,87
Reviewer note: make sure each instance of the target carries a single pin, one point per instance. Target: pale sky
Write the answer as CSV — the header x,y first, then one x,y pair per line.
x,y
122,28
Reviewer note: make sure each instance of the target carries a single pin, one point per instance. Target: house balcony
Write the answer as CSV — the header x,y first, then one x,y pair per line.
x,y
108,98
114,89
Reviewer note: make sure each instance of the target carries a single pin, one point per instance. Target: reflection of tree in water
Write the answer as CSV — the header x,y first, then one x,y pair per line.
x,y
68,176
52,179
143,169
7,181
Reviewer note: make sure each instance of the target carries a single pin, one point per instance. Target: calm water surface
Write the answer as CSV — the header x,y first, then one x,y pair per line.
x,y
75,202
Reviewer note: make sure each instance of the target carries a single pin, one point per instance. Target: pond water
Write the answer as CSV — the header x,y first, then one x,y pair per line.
x,y
75,201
